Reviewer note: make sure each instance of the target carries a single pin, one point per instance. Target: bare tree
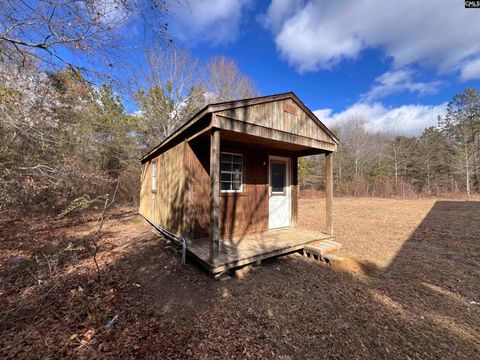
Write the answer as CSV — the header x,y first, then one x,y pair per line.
x,y
401,155
357,141
224,81
169,93
174,87
462,125
73,33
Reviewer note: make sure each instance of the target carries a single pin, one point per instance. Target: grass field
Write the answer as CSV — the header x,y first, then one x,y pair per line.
x,y
409,287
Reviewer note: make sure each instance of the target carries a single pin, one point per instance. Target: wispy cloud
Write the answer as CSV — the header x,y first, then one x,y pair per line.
x,y
215,21
396,81
406,119
471,70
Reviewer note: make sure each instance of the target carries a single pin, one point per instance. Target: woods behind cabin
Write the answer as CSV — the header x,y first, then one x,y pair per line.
x,y
443,160
63,138
76,112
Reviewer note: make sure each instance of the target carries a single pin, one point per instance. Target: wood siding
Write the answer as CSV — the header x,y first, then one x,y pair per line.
x,y
198,188
246,212
165,206
182,199
239,213
271,134
279,117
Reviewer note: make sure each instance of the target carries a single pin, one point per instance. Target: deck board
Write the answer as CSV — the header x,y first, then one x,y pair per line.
x,y
250,248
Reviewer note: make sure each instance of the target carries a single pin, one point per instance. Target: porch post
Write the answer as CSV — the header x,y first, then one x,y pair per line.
x,y
214,192
329,192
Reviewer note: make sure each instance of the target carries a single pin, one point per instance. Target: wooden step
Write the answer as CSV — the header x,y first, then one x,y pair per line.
x,y
322,247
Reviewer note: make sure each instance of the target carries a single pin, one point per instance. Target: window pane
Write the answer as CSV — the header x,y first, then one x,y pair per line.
x,y
154,176
226,177
237,184
237,167
237,159
231,173
226,158
226,166
278,177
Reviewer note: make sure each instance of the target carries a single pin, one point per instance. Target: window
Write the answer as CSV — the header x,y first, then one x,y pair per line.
x,y
231,169
278,177
154,176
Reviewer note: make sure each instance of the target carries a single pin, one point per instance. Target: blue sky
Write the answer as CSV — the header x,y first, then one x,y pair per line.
x,y
396,63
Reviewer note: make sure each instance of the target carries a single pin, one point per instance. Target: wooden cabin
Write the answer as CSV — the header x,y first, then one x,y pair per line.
x,y
227,180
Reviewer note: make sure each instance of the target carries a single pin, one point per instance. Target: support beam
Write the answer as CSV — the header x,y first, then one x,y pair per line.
x,y
329,192
295,192
214,192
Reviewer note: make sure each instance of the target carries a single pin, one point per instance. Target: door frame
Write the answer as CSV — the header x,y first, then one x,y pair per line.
x,y
288,186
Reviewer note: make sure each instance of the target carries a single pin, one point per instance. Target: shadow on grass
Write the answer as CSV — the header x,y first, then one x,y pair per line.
x,y
290,307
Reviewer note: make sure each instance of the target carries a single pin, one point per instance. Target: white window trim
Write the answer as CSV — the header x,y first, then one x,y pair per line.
x,y
154,176
288,178
231,172
285,180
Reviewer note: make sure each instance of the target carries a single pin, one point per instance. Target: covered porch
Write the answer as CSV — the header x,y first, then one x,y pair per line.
x,y
244,168
226,182
221,251
247,249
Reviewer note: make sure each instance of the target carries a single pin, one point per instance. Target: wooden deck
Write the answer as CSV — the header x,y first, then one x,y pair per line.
x,y
251,248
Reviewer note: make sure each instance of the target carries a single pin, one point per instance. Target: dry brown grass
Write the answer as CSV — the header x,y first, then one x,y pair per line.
x,y
370,229
405,291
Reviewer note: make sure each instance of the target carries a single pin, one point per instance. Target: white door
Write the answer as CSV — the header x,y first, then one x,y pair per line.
x,y
280,200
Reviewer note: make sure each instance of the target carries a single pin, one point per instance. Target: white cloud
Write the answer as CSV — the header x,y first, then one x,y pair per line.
x,y
325,115
320,33
405,119
471,70
216,21
397,81
278,11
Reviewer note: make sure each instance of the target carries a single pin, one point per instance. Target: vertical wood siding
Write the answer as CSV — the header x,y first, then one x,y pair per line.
x,y
239,213
166,206
182,199
198,188
246,212
278,115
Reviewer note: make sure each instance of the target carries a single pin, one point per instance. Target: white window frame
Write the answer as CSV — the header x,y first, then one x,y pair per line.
x,y
278,160
231,172
154,176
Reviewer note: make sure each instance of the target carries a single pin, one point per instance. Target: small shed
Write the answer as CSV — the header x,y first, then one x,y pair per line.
x,y
226,182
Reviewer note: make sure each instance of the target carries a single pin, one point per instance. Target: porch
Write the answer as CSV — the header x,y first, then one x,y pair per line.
x,y
244,250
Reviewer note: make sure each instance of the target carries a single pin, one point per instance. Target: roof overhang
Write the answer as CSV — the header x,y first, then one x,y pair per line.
x,y
217,107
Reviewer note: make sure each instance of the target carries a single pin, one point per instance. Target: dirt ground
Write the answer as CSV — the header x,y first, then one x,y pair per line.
x,y
408,288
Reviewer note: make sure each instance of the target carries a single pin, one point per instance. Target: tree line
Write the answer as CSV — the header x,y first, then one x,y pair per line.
x,y
443,160
66,137
65,141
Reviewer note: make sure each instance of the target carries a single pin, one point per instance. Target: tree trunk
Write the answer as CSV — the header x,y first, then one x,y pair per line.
x,y
428,178
476,170
467,170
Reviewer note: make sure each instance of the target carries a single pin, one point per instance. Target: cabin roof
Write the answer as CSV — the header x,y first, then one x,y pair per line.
x,y
227,105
